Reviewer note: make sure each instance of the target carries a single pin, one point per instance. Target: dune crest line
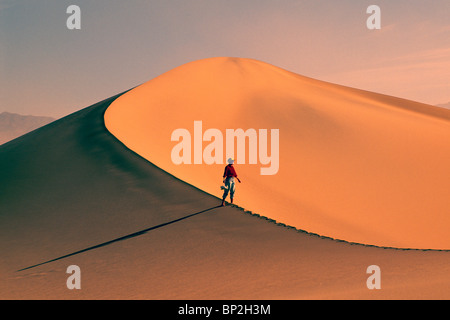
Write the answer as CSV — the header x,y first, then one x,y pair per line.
x,y
353,164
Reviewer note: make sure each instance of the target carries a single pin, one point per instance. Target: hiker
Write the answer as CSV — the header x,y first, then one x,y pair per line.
x,y
228,179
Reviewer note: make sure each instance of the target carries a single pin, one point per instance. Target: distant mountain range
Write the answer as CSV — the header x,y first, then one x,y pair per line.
x,y
13,125
445,105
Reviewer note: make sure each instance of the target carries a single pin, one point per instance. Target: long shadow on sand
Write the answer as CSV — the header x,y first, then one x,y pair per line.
x,y
129,236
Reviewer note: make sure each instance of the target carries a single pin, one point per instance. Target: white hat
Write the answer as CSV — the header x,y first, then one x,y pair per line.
x,y
230,160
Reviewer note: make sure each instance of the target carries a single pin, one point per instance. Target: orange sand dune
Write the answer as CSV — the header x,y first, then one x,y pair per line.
x,y
353,165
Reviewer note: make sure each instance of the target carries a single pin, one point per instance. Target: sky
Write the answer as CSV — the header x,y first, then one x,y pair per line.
x,y
48,70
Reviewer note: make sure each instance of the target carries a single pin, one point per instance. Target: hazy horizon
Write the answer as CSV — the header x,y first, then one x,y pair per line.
x,y
50,70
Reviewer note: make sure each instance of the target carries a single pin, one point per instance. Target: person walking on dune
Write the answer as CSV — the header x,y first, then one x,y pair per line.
x,y
228,179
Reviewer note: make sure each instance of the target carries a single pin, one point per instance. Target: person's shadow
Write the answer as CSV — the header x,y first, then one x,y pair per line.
x,y
129,236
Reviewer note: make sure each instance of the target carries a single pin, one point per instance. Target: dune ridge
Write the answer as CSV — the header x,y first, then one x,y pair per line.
x,y
354,165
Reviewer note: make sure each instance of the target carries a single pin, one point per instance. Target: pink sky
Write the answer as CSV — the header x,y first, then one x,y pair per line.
x,y
46,69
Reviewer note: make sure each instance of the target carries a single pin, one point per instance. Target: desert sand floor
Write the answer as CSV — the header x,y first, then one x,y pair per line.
x,y
71,185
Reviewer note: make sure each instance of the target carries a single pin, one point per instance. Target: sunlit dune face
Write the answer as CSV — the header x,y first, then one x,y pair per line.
x,y
353,165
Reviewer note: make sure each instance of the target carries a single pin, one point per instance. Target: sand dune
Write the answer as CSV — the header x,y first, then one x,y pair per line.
x,y
71,193
353,165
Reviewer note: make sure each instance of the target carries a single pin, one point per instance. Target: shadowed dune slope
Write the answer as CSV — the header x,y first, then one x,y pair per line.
x,y
72,194
353,165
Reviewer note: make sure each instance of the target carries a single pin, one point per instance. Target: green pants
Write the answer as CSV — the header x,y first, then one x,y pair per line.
x,y
230,187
